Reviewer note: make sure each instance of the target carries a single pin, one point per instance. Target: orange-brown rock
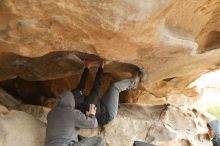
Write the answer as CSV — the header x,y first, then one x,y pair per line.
x,y
174,41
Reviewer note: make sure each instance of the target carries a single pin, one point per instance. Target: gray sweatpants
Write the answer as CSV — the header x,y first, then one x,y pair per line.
x,y
111,97
90,141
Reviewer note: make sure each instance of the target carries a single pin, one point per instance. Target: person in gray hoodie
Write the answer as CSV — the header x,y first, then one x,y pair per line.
x,y
64,123
214,132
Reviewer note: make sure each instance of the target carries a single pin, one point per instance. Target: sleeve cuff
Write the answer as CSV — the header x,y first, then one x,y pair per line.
x,y
92,116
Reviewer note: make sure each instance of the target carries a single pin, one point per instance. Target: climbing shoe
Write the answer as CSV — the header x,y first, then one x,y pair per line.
x,y
137,77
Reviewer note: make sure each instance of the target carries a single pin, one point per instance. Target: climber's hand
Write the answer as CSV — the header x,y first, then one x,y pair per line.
x,y
92,110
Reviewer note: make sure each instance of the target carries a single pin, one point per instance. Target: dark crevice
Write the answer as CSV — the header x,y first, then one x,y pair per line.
x,y
169,79
35,80
29,92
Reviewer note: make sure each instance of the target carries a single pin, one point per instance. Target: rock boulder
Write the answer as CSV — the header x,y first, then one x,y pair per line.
x,y
163,125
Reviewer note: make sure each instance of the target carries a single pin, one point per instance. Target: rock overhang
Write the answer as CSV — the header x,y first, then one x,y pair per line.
x,y
174,41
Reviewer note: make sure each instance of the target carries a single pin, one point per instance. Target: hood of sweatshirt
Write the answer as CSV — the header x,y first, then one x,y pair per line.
x,y
66,100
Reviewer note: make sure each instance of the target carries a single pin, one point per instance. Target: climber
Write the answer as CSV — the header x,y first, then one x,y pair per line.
x,y
64,123
214,132
107,105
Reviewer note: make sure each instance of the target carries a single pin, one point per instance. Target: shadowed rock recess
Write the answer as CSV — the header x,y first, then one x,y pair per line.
x,y
37,79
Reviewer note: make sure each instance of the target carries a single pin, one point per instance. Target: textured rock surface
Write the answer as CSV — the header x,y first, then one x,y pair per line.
x,y
8,100
163,125
3,109
173,40
20,129
38,112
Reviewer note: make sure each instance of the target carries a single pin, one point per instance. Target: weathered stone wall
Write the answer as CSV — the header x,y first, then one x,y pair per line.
x,y
18,128
163,125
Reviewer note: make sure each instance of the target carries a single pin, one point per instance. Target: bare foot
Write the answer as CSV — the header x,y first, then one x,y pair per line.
x,y
88,64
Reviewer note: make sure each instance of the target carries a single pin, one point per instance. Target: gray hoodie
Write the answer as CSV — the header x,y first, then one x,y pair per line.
x,y
64,122
215,125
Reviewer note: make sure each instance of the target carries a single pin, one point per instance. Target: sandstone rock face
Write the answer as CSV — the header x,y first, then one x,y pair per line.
x,y
174,41
20,129
163,125
39,112
160,125
3,109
